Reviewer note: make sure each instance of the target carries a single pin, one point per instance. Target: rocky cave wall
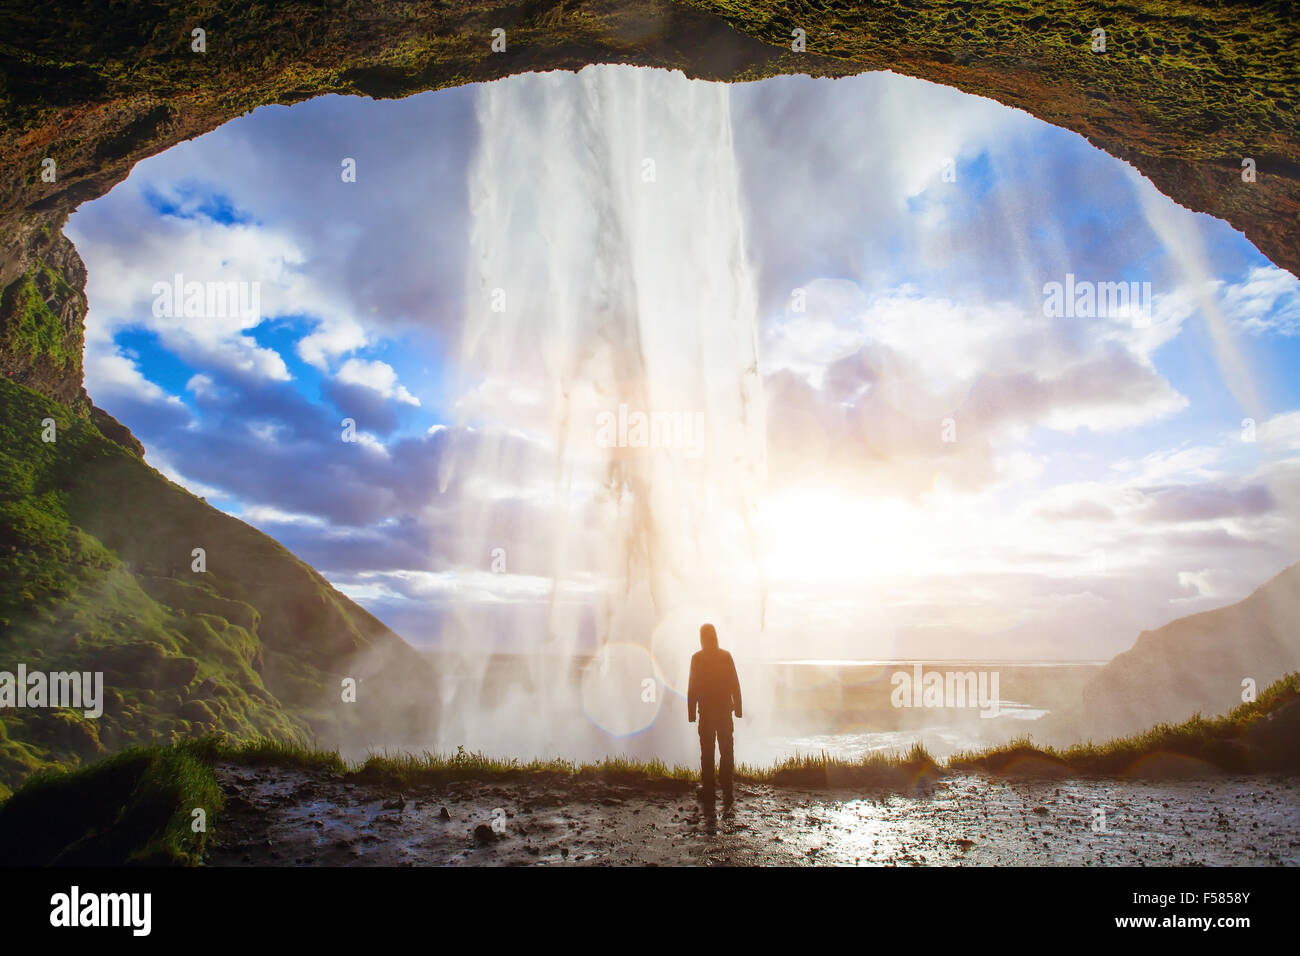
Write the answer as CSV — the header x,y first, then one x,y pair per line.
x,y
1183,91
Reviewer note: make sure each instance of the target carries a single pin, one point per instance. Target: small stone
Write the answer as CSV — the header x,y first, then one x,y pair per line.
x,y
443,814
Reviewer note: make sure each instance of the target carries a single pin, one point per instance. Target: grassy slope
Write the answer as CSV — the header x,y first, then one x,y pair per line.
x,y
133,808
1193,664
95,574
138,807
1263,735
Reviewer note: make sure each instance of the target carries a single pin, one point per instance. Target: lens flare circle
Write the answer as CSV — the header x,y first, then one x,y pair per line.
x,y
621,693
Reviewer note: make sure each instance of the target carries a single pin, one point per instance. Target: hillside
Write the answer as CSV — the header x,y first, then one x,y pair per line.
x,y
1197,663
96,575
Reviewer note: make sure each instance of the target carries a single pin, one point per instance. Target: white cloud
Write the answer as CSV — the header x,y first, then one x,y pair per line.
x,y
1281,432
201,385
330,340
1173,464
112,375
1267,300
263,514
372,444
377,376
121,286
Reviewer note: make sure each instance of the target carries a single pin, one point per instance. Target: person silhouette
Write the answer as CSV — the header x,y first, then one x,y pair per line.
x,y
714,689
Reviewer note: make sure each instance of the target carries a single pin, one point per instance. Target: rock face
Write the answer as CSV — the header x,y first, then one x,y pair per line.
x,y
43,311
1197,663
1184,91
114,430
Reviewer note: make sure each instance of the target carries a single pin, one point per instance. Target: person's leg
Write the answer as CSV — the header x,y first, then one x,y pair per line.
x,y
726,747
707,732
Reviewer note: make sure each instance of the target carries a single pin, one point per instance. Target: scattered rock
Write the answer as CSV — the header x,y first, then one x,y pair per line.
x,y
205,689
443,814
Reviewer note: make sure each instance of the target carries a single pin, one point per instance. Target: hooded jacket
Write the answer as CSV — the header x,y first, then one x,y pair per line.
x,y
713,687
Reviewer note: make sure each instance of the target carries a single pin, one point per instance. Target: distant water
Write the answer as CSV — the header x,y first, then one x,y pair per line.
x,y
937,663
853,696
939,739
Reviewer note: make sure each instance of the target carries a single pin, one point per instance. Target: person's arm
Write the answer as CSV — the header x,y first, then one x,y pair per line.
x,y
691,699
735,686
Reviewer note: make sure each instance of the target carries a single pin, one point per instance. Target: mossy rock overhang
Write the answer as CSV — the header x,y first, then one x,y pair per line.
x,y
1184,91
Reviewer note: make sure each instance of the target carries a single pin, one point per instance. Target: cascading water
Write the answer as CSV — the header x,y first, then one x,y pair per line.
x,y
611,385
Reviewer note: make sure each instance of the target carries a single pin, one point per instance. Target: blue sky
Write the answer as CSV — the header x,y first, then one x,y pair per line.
x,y
1099,483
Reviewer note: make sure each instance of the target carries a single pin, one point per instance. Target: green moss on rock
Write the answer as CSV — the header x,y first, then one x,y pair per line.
x,y
95,576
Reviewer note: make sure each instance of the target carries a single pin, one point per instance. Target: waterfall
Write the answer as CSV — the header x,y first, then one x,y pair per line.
x,y
612,438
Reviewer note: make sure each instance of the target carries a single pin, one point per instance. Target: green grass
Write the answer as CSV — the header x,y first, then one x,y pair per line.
x,y
1234,742
136,807
265,752
873,771
407,770
29,327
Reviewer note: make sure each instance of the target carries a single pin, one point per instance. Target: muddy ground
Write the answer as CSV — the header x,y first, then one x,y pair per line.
x,y
309,818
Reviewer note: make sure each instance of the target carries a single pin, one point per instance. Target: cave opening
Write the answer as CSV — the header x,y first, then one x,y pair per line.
x,y
849,282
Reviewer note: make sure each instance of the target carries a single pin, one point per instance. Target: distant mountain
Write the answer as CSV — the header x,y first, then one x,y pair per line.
x,y
1197,663
97,573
